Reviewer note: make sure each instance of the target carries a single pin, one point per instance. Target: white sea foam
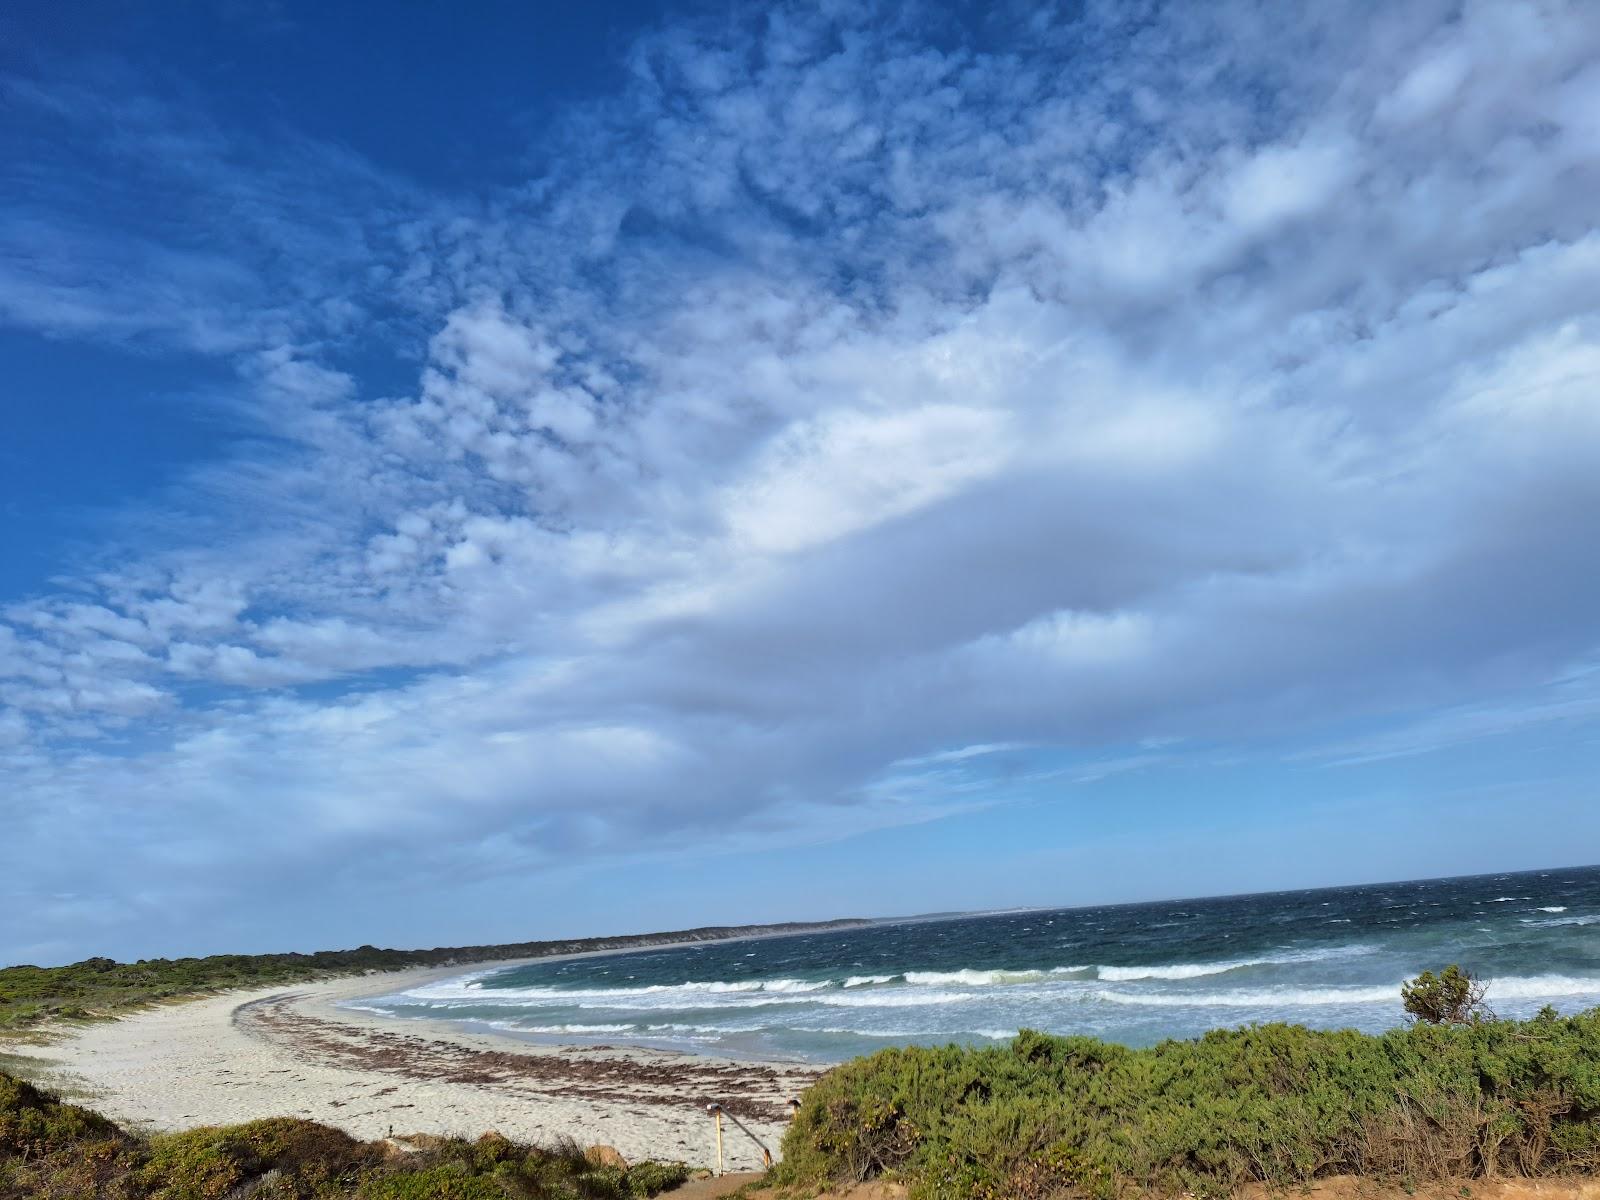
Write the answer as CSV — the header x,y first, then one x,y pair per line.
x,y
1524,987
896,998
868,980
1172,971
1555,908
795,985
1175,971
461,991
698,1027
971,978
1539,987
838,998
1267,999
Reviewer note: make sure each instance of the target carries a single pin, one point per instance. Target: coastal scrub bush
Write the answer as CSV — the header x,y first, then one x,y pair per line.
x,y
58,1151
201,1164
1452,997
651,1178
34,1123
50,1150
1278,1104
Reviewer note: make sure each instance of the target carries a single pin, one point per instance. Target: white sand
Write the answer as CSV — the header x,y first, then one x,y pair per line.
x,y
291,1052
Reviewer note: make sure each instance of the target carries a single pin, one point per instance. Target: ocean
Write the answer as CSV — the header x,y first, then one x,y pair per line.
x,y
1132,973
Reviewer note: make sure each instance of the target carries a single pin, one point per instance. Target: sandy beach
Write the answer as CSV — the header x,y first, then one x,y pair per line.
x,y
293,1052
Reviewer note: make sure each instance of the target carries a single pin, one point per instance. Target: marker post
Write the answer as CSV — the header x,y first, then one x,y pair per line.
x,y
716,1112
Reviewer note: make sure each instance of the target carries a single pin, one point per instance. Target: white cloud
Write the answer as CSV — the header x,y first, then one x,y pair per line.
x,y
842,472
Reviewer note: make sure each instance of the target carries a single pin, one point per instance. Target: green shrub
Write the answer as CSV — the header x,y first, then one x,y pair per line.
x,y
444,1181
34,1123
1453,997
651,1178
55,1151
200,1164
1275,1103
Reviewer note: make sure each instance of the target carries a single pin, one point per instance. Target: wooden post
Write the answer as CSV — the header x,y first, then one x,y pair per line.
x,y
716,1112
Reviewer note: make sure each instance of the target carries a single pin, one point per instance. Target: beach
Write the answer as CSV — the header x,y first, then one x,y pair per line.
x,y
293,1051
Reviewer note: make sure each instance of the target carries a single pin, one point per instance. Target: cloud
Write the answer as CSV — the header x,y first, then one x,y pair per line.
x,y
843,414
193,236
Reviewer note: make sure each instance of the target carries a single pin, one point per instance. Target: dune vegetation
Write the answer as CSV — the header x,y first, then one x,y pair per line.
x,y
1279,1104
57,1151
99,987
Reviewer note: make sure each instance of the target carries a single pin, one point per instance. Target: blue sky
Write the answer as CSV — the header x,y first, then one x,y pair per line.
x,y
600,468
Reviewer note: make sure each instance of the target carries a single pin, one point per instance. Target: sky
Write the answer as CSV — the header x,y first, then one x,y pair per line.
x,y
601,468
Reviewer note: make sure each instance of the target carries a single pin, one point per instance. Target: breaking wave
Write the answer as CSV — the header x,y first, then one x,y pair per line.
x,y
1532,987
1136,974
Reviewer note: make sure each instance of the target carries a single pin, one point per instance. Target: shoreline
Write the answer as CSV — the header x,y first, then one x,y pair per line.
x,y
293,1051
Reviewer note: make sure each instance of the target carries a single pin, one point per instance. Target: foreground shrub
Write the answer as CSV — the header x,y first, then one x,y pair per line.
x,y
1453,997
1275,1103
55,1151
34,1123
200,1164
651,1178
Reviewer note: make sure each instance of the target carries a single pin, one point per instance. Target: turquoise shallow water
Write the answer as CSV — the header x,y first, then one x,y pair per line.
x,y
1130,973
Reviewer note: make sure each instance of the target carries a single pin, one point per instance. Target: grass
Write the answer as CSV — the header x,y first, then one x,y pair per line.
x,y
1278,1104
57,1151
101,987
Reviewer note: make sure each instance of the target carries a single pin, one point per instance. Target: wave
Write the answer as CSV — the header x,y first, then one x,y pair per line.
x,y
887,998
1175,971
1539,987
1263,998
993,1035
1514,987
895,998
1039,997
1555,908
470,991
889,990
972,978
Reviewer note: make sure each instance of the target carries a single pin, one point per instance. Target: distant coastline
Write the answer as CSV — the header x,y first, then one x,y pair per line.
x,y
102,987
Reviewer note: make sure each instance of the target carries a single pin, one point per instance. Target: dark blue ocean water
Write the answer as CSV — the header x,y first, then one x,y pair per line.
x,y
1130,973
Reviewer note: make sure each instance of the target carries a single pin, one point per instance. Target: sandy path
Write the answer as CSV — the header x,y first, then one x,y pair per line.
x,y
292,1052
